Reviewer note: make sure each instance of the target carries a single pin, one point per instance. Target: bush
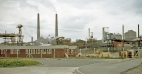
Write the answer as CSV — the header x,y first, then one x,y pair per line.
x,y
17,62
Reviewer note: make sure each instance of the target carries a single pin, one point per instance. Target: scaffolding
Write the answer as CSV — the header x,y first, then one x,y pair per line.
x,y
12,39
20,36
9,38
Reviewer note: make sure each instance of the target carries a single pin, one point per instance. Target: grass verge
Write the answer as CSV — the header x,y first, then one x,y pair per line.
x,y
11,62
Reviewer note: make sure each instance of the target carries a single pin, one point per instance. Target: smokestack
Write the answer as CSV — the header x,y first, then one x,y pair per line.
x,y
89,32
138,31
56,25
32,40
103,33
38,26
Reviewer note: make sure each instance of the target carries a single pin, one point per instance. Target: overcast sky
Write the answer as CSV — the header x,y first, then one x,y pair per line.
x,y
74,17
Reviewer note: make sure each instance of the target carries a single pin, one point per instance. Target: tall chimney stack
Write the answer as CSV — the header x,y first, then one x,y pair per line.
x,y
32,40
138,36
103,33
89,32
38,26
138,31
56,25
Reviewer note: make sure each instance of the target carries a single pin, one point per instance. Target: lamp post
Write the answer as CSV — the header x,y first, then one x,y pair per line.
x,y
122,42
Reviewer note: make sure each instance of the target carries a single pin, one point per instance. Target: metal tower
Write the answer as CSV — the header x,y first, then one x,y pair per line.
x,y
20,36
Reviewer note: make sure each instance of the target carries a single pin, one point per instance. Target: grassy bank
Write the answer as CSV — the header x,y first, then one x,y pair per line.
x,y
14,62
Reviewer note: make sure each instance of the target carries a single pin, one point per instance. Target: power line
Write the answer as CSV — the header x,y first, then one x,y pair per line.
x,y
135,15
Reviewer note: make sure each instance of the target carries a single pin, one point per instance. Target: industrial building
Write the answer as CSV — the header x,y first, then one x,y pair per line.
x,y
130,35
57,51
14,46
117,36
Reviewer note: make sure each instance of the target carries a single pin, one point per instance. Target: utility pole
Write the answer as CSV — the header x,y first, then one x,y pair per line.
x,y
122,41
86,42
138,37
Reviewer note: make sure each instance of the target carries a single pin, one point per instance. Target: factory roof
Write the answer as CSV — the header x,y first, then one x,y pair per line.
x,y
30,47
72,47
37,47
45,45
116,34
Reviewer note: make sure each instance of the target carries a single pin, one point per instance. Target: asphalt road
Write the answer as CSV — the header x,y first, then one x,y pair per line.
x,y
73,62
38,70
110,68
68,66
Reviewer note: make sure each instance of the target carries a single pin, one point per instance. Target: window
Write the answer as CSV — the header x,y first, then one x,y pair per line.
x,y
72,50
2,51
32,51
18,51
49,51
27,51
44,51
14,51
37,51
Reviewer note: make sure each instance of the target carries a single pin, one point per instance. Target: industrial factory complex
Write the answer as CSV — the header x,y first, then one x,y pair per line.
x,y
61,47
14,46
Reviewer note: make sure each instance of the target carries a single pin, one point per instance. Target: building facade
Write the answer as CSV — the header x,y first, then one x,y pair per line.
x,y
58,51
130,35
117,36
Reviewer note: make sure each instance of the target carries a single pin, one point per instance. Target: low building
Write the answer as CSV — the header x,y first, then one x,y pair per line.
x,y
56,51
115,44
73,50
126,46
117,36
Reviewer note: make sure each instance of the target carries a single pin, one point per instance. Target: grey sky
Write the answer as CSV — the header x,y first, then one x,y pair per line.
x,y
74,17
